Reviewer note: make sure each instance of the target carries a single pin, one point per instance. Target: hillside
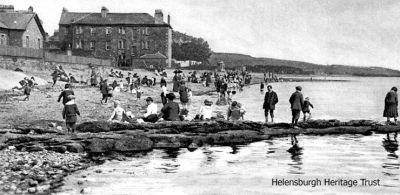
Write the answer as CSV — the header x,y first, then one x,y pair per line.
x,y
232,60
10,79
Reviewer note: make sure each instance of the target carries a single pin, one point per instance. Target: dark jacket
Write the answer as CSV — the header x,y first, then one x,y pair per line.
x,y
296,101
171,111
64,94
104,88
69,112
307,105
270,99
183,94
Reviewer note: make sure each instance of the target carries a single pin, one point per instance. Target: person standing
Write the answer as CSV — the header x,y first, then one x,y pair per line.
x,y
104,90
270,99
175,80
163,82
391,103
171,110
69,113
164,93
64,94
183,95
296,102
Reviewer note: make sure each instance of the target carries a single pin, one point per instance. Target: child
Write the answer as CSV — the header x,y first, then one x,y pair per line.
x,y
139,93
69,113
27,91
306,109
118,113
190,94
205,112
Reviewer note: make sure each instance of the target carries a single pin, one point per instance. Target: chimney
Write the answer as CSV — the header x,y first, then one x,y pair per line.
x,y
169,19
6,8
104,12
158,17
64,10
30,9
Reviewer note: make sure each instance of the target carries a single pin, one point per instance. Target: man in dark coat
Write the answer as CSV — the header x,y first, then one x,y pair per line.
x,y
270,99
64,94
104,91
391,103
296,102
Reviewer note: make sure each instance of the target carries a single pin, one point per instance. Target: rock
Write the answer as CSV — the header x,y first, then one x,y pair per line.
x,y
94,127
80,182
193,146
133,143
33,183
97,145
86,190
60,149
52,124
98,171
59,128
75,147
32,190
34,148
11,147
43,188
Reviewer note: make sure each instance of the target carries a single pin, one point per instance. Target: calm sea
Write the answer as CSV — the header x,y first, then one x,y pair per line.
x,y
252,168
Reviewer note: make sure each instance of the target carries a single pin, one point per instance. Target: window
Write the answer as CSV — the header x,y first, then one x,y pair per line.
x,y
79,44
146,44
108,45
121,44
3,40
92,45
27,41
39,43
121,30
146,31
92,31
142,44
108,31
134,50
78,30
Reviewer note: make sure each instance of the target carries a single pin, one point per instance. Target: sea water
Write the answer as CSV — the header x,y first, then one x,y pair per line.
x,y
339,164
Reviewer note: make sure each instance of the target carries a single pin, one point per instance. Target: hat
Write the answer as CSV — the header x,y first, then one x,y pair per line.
x,y
171,96
149,99
208,102
307,98
67,85
70,97
298,88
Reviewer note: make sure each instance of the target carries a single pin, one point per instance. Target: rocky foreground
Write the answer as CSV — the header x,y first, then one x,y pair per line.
x,y
35,157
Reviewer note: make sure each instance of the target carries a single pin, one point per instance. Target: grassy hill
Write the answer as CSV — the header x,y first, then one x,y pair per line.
x,y
233,60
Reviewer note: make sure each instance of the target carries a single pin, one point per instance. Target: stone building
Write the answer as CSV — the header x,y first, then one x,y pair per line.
x,y
20,28
130,39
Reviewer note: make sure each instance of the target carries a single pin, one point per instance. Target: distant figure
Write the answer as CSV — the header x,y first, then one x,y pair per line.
x,y
163,81
391,103
64,94
163,93
176,84
261,86
118,112
171,110
296,102
69,113
104,91
27,92
306,109
183,94
270,100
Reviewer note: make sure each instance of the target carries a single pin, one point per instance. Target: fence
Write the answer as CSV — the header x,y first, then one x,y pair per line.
x,y
50,57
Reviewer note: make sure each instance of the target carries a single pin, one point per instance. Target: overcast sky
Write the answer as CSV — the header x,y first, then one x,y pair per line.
x,y
354,32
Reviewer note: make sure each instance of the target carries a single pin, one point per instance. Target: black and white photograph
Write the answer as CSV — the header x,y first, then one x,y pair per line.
x,y
199,97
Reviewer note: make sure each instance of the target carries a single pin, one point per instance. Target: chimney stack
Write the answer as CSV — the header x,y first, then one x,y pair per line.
x,y
169,19
64,10
6,8
104,12
158,17
30,9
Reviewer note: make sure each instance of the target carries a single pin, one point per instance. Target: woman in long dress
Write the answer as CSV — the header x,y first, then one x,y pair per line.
x,y
391,103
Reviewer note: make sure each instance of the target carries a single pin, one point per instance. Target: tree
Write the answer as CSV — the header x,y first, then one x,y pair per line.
x,y
196,50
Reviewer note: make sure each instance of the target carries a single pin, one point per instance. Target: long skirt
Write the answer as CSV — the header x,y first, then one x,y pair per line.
x,y
390,110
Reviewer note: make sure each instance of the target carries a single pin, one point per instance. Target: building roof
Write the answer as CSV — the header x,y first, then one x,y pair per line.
x,y
19,20
68,18
157,55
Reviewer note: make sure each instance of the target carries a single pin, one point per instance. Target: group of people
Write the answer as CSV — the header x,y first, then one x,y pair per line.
x,y
297,105
26,85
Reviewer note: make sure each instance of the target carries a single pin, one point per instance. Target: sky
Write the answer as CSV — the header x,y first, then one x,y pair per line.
x,y
351,32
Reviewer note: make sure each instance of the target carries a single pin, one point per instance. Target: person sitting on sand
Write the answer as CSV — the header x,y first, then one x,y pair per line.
x,y
171,110
306,109
69,113
205,112
151,112
64,94
118,112
236,111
